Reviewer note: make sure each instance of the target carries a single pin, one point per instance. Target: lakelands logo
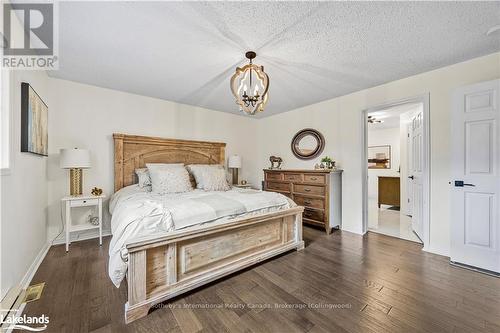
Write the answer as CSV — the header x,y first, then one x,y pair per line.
x,y
24,322
29,35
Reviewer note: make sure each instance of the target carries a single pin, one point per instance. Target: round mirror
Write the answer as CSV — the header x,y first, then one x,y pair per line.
x,y
308,144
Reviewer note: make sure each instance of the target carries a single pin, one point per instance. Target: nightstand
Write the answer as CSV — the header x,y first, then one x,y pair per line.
x,y
82,201
247,186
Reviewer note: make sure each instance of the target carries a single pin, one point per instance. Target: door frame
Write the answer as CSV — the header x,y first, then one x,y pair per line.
x,y
424,99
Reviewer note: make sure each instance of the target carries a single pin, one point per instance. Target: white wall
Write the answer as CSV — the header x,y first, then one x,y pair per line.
x,y
86,116
339,120
24,194
383,137
23,206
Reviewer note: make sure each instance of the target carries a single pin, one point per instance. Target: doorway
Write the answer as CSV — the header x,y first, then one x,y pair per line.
x,y
396,169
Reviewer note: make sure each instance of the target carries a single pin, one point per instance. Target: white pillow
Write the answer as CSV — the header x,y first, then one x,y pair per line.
x,y
198,169
169,180
143,177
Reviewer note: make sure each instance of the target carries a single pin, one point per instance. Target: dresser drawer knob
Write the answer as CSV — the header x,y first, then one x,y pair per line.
x,y
314,178
307,189
84,201
307,202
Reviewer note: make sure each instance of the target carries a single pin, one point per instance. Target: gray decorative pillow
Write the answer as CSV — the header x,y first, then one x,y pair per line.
x,y
166,180
144,180
143,177
197,170
215,180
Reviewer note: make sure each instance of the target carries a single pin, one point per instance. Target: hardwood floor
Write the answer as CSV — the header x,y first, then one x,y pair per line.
x,y
340,283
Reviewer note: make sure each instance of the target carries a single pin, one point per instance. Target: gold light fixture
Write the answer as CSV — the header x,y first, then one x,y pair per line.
x,y
250,85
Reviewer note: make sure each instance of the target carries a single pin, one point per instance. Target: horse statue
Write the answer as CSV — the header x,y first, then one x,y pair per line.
x,y
277,160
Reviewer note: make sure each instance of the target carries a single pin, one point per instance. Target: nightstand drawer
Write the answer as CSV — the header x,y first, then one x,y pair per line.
x,y
83,202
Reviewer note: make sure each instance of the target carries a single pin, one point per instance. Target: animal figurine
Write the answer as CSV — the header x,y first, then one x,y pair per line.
x,y
96,191
275,159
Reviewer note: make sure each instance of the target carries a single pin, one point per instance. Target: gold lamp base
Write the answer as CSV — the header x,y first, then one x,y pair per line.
x,y
235,176
75,181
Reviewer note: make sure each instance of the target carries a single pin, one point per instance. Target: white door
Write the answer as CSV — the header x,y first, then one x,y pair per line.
x,y
409,181
416,174
475,183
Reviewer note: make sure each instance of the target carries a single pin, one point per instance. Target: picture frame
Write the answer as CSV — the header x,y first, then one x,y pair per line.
x,y
34,122
379,157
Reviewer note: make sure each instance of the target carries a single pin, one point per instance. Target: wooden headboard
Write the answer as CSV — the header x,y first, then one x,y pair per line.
x,y
133,151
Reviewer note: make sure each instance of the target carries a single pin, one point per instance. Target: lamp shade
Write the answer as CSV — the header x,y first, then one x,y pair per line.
x,y
234,161
74,158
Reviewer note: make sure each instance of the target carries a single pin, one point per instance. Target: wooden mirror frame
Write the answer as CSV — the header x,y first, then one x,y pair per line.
x,y
300,135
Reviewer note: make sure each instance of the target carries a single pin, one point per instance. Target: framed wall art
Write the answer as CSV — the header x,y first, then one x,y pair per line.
x,y
379,157
34,122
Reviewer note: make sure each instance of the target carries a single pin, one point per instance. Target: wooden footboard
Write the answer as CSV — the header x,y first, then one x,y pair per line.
x,y
162,268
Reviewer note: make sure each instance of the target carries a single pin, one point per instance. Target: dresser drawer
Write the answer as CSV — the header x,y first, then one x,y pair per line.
x,y
309,189
293,177
278,186
309,202
83,202
314,214
274,176
317,179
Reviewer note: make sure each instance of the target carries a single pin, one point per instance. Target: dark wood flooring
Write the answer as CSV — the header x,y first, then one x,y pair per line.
x,y
340,283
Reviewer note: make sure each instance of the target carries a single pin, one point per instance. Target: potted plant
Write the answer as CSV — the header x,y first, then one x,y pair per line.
x,y
328,162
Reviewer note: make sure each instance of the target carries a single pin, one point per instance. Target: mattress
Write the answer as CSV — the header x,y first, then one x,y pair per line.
x,y
137,212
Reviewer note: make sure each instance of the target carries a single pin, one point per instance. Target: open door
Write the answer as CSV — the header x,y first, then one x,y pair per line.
x,y
409,181
475,183
416,177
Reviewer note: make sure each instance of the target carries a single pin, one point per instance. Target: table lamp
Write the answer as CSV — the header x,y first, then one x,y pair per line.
x,y
234,163
75,160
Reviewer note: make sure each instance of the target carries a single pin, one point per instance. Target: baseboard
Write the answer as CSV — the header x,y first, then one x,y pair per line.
x,y
436,251
354,231
80,236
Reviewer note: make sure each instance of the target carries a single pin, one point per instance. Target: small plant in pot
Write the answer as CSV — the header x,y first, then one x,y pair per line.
x,y
328,162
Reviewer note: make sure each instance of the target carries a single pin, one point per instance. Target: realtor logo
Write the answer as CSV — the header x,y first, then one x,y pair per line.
x,y
29,36
10,321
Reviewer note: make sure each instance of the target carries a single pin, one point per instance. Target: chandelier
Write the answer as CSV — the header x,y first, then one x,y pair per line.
x,y
249,85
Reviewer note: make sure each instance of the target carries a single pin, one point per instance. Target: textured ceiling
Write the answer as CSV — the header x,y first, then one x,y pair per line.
x,y
186,52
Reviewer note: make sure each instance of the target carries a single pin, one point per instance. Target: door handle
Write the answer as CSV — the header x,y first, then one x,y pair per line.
x,y
411,177
460,183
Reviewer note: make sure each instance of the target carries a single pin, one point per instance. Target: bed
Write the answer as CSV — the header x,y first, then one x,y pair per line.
x,y
163,265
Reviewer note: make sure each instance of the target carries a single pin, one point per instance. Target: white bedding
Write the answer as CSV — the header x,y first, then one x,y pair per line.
x,y
137,212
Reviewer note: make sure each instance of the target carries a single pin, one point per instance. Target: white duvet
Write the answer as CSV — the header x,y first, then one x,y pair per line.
x,y
137,212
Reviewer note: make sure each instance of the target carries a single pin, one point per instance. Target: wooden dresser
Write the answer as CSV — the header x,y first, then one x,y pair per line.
x,y
388,191
319,191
